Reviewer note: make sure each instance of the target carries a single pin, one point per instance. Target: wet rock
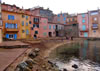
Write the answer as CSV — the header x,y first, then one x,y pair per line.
x,y
30,63
32,55
51,63
36,50
75,66
64,69
22,67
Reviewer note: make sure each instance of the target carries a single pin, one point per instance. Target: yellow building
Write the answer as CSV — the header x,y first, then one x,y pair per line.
x,y
0,24
15,22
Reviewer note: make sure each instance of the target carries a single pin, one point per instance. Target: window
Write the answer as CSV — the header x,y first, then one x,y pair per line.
x,y
26,17
64,18
45,21
58,15
36,20
95,25
94,13
72,19
31,28
63,15
27,32
11,17
68,20
36,32
23,16
83,15
44,33
83,27
94,31
95,19
83,21
23,31
22,23
29,22
26,24
11,26
45,27
33,25
64,22
37,25
49,26
54,27
58,19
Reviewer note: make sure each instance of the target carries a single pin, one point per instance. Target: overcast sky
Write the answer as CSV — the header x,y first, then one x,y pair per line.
x,y
70,6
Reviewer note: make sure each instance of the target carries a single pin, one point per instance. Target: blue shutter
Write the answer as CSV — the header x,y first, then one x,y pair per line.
x,y
15,36
84,27
16,26
6,25
12,17
7,35
8,17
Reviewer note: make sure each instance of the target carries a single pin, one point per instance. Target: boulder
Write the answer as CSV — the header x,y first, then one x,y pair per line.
x,y
32,55
75,66
22,67
30,63
64,69
36,50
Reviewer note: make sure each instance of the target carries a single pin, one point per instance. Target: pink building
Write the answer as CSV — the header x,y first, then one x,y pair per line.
x,y
43,27
51,29
83,24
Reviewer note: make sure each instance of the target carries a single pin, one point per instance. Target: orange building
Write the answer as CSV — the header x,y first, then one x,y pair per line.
x,y
15,22
0,24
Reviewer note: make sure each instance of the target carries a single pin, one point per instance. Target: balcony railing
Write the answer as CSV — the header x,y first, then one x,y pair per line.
x,y
11,30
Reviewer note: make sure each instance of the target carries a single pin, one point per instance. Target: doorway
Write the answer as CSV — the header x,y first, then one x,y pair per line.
x,y
50,34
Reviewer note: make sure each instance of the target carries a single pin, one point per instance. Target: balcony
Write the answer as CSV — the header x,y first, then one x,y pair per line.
x,y
10,21
84,30
94,28
11,30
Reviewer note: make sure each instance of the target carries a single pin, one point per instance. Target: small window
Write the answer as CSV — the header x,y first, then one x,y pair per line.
x,y
27,32
94,31
26,24
53,26
31,28
95,19
36,32
23,31
33,25
49,26
44,33
22,23
83,21
44,27
26,17
58,15
29,22
37,25
83,15
23,16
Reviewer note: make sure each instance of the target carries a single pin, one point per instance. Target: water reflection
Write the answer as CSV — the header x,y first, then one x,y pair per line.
x,y
86,54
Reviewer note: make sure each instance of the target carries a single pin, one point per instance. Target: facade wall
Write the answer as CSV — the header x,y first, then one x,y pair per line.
x,y
24,27
94,23
83,24
43,29
7,25
51,30
0,24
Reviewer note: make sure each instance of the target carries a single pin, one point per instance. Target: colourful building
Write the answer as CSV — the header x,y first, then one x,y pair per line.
x,y
51,29
10,21
83,21
43,29
15,22
0,24
94,23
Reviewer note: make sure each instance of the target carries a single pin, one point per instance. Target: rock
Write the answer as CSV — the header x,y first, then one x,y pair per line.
x,y
22,67
36,50
51,63
64,69
75,66
32,55
30,63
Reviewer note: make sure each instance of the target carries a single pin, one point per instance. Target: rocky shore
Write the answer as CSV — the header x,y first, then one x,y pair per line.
x,y
36,57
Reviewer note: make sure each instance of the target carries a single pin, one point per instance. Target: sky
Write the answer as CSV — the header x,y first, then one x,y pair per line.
x,y
58,6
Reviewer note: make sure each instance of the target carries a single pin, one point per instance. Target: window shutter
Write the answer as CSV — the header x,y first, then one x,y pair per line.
x,y
6,25
16,26
15,36
8,17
